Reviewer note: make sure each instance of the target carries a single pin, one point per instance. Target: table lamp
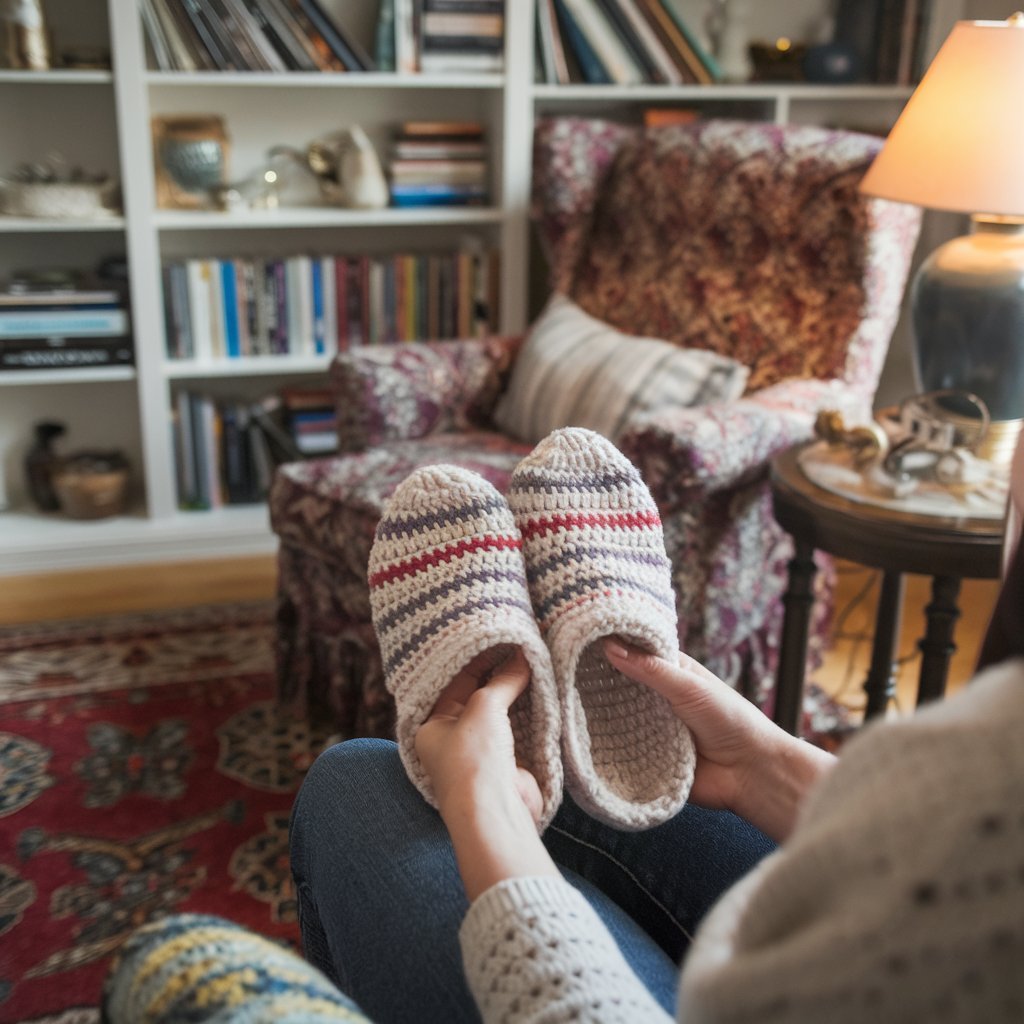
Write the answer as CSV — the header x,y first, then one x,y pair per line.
x,y
959,145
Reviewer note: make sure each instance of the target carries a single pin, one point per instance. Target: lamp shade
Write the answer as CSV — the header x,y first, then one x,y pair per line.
x,y
959,143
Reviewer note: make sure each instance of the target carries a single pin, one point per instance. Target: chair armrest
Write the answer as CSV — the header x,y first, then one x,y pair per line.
x,y
709,448
404,391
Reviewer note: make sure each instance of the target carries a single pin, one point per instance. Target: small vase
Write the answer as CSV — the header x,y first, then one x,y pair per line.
x,y
734,41
40,462
28,44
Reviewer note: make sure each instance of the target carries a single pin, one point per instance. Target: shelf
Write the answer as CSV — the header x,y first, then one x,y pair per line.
x,y
70,375
39,542
246,366
56,77
321,80
324,217
763,91
35,225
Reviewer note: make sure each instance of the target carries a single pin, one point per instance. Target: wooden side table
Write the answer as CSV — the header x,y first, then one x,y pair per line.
x,y
947,549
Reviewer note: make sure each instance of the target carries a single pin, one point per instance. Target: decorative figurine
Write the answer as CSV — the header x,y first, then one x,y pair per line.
x,y
28,45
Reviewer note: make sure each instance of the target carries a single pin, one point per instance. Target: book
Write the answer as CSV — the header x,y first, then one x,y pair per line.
x,y
284,33
384,38
623,29
648,39
64,323
590,65
292,59
160,49
406,34
248,24
229,300
235,32
207,38
34,353
346,48
706,59
311,37
190,39
437,195
674,42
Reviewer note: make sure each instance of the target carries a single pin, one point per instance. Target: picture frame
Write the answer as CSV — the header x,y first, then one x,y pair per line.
x,y
190,159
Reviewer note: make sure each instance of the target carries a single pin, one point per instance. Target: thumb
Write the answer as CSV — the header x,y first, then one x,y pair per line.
x,y
509,680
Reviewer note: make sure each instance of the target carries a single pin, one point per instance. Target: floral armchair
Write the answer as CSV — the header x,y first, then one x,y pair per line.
x,y
749,239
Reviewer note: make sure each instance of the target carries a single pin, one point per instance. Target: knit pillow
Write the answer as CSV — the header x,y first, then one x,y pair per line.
x,y
398,392
575,371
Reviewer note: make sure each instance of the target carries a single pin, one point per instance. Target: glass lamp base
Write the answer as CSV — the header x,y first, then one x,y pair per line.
x,y
968,314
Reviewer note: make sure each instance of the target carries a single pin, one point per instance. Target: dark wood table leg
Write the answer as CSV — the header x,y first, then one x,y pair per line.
x,y
798,600
880,685
937,646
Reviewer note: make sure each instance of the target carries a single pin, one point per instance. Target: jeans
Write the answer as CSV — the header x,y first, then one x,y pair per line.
x,y
380,898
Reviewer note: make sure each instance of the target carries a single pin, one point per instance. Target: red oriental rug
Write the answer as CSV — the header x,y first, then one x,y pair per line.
x,y
143,770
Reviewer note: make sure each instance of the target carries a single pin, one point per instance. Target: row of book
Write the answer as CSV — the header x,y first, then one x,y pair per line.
x,y
439,163
437,36
620,42
66,328
225,450
318,305
248,35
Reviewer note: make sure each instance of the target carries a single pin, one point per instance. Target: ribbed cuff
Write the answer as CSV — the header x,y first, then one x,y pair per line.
x,y
520,898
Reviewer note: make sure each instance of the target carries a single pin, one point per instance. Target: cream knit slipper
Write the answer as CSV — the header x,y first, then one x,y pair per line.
x,y
597,567
447,583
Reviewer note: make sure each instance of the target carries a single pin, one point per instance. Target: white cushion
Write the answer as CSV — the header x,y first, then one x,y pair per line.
x,y
575,371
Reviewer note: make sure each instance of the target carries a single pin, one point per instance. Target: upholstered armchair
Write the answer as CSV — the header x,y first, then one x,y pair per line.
x,y
747,239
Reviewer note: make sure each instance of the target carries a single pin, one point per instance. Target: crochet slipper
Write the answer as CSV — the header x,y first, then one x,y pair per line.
x,y
597,567
448,583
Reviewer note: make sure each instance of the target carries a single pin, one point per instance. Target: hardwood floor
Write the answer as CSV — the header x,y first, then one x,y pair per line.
x,y
71,595
175,585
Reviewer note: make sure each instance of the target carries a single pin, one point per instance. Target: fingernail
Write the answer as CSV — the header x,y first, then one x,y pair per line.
x,y
615,650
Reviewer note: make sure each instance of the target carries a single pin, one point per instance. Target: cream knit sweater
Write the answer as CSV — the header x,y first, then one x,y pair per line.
x,y
899,898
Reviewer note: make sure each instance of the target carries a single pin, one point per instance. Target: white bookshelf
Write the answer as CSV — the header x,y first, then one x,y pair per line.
x,y
103,119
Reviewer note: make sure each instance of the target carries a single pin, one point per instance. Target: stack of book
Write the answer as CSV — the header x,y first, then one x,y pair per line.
x,y
60,328
620,42
318,305
439,163
312,419
248,35
441,36
462,35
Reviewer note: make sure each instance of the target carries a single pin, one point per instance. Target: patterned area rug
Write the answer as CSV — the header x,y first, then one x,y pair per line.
x,y
143,770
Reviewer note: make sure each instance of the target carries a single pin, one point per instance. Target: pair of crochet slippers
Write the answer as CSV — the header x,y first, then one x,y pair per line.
x,y
573,555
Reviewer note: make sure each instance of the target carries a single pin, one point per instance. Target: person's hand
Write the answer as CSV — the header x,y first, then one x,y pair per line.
x,y
466,745
745,763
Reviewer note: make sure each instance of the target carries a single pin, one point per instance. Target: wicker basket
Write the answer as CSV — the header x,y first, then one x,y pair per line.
x,y
92,485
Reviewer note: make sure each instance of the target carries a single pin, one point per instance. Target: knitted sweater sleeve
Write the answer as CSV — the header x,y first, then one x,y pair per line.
x,y
900,894
534,950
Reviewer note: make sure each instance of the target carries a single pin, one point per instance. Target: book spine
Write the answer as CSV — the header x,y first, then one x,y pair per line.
x,y
319,327
338,44
79,323
34,354
406,49
330,304
229,292
592,69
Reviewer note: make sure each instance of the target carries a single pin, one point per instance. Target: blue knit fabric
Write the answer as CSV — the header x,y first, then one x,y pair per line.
x,y
200,969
